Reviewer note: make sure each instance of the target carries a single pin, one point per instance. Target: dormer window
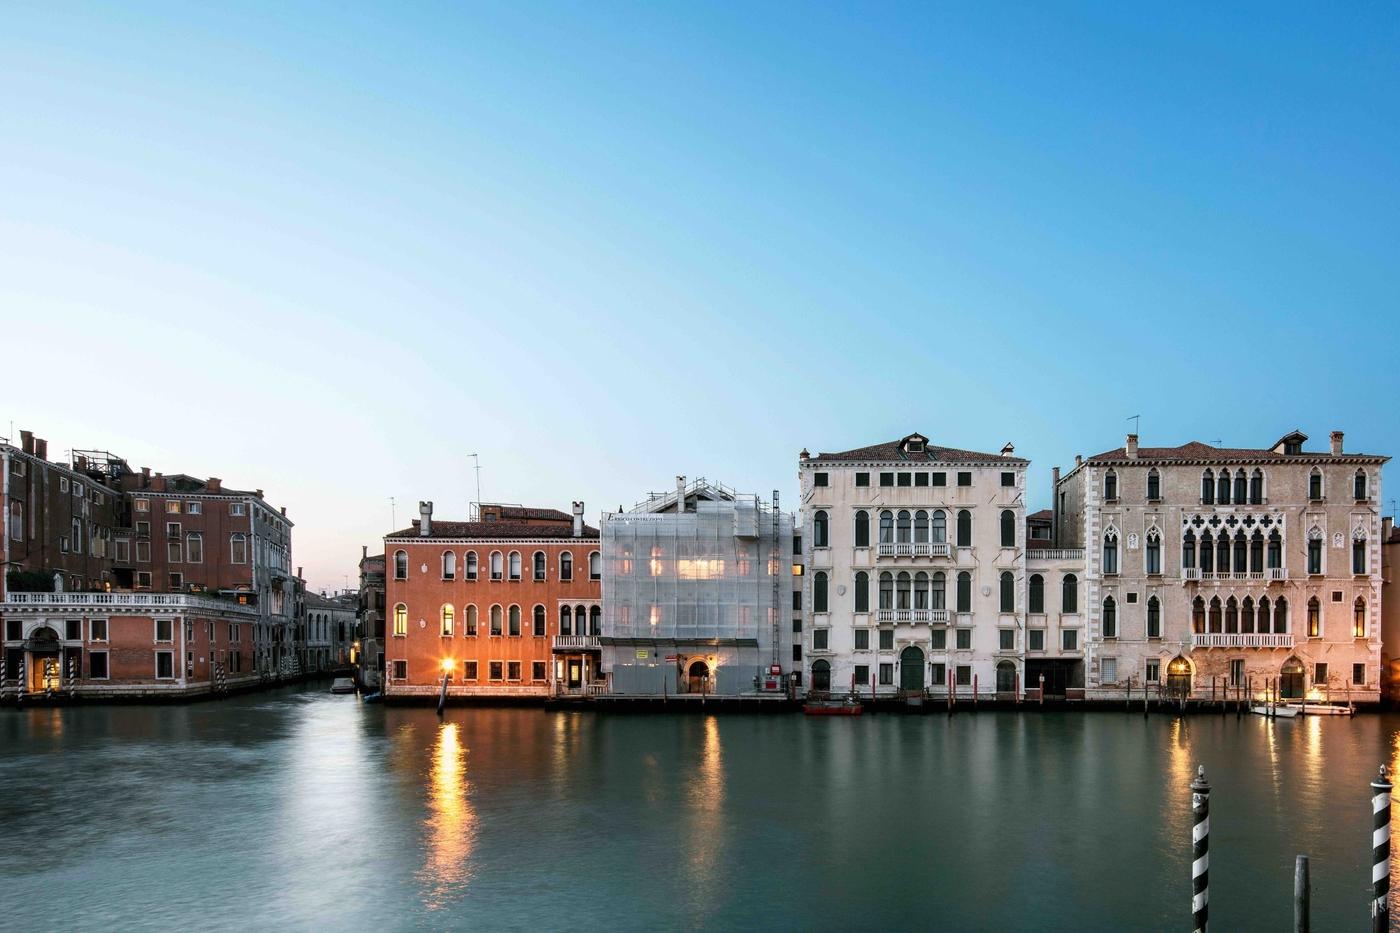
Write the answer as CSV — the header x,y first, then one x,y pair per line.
x,y
1292,447
914,444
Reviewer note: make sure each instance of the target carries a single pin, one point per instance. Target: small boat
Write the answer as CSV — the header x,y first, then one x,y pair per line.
x,y
1278,712
375,697
847,707
1326,709
342,685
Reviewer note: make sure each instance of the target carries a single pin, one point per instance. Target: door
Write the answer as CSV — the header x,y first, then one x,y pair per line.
x,y
1006,677
698,676
1290,681
911,669
575,677
821,676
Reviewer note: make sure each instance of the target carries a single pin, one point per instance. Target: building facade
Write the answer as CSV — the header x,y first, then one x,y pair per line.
x,y
916,557
697,594
368,649
1211,568
508,606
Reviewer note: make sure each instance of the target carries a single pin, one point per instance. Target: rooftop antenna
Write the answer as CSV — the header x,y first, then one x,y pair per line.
x,y
393,515
477,467
1136,420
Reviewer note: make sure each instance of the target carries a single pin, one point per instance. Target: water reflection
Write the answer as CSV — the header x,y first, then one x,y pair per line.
x,y
706,837
450,825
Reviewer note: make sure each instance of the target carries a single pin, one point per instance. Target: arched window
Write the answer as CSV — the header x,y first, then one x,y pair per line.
x,y
1008,592
1315,550
1008,528
449,565
819,529
400,565
1264,615
819,592
902,535
1232,616
1198,615
1280,616
1241,484
541,564
469,623
1110,486
1358,552
1154,617
964,528
938,592
1217,621
964,597
862,591
921,590
1256,552
566,566
886,591
1069,593
1358,618
1241,553
1256,487
1036,597
400,619
1358,485
1110,551
1110,618
1314,618
821,676
237,542
921,527
471,565
1208,487
1207,552
496,566
887,527
1222,488
595,565
1154,485
901,590
539,621
595,620
515,565
1188,549
940,527
447,615
1315,484
514,623
496,620
566,620
1154,551
862,529
1275,549
1247,616
1222,553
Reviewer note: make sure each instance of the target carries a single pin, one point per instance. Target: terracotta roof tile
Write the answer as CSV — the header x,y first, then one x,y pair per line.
x,y
443,529
892,451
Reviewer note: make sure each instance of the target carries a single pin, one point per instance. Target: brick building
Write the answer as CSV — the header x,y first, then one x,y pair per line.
x,y
508,606
368,653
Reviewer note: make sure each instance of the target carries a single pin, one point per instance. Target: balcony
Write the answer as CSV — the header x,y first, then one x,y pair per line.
x,y
1055,553
1197,575
913,549
1240,640
577,643
938,616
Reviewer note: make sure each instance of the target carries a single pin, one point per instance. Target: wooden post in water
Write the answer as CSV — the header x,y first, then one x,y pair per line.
x,y
974,691
1302,894
1380,853
1042,689
442,697
1144,699
950,691
1200,852
1016,686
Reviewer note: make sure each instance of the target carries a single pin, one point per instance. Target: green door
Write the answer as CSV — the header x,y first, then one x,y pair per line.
x,y
911,669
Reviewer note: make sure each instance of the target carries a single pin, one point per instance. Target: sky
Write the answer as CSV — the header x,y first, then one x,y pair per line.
x,y
332,249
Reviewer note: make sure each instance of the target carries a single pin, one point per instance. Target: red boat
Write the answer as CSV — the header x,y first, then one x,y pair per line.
x,y
847,707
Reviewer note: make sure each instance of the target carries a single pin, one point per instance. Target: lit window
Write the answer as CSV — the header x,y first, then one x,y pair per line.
x,y
401,620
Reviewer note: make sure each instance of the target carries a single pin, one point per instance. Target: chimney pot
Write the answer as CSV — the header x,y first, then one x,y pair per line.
x,y
41,448
1078,459
1130,448
425,519
26,441
364,551
1336,443
215,484
578,519
1008,450
258,493
804,455
680,493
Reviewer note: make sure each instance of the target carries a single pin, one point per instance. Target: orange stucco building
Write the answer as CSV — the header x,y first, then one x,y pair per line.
x,y
508,606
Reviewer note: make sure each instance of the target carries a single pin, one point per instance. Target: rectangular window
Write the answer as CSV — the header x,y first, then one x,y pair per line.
x,y
938,639
97,665
73,629
886,674
796,625
1007,639
964,675
964,479
512,670
237,508
143,579
401,670
194,549
194,508
797,652
497,670
797,600
1108,668
939,674
906,479
537,671
964,639
862,479
886,479
862,639
165,665
1069,639
1236,671
141,505
14,629
1036,638
862,675
1152,671
172,507
940,479
164,630
1008,479
797,545
177,582
98,629
819,639
469,670
123,551
920,479
1358,674
886,639
820,479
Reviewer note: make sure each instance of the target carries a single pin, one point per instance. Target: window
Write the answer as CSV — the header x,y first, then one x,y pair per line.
x,y
862,676
496,669
819,479
1036,639
862,640
964,594
886,673
1154,617
1208,487
515,566
513,622
1037,593
141,505
1108,670
1222,488
164,630
566,616
1154,485
537,670
400,670
887,527
920,479
595,564
819,592
862,479
940,479
1154,552
165,665
1256,487
938,639
862,529
1358,485
1358,618
236,508
964,528
1315,551
73,629
447,615
902,527
819,639
937,592
1358,555
1007,639
449,565
862,591
469,622
1069,593
963,675
938,527
469,570
172,508
540,627
97,665
886,639
1152,670
964,479
962,640
16,521
1320,673
905,479
1314,618
886,479
1358,674
1008,528
194,548
819,529
1110,486
1069,639
401,620
469,670
566,567
97,630
1008,592
1315,485
400,564
1110,552
1110,618
496,621
496,565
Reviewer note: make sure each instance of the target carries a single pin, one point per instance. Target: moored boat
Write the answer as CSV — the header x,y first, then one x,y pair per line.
x,y
847,707
342,685
1278,712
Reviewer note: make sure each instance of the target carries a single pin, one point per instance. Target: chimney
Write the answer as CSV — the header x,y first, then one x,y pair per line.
x,y
364,552
1078,459
578,519
1008,450
1130,448
1055,506
159,484
1387,523
425,519
299,574
26,441
41,448
145,477
284,511
804,455
1336,443
680,493
215,484
256,492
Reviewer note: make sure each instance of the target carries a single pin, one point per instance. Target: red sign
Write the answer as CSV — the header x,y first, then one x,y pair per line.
x,y
673,657
775,669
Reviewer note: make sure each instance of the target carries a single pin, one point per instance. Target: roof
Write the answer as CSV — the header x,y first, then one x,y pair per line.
x,y
1044,515
1196,450
488,530
895,451
521,513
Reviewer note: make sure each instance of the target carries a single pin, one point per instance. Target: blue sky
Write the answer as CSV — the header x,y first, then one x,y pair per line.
x,y
331,249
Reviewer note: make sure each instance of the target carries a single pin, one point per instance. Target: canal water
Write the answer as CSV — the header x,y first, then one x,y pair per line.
x,y
297,810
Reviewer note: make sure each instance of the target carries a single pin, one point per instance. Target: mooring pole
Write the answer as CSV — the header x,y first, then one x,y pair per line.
x,y
1042,689
1380,853
442,697
1200,851
1302,894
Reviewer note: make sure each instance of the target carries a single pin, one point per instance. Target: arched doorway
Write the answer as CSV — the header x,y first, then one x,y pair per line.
x,y
1006,677
911,669
1290,681
1179,677
43,649
697,679
821,676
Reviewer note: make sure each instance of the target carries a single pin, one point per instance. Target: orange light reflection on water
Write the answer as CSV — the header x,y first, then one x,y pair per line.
x,y
451,822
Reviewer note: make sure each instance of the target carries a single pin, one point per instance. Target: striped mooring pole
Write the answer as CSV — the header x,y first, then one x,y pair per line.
x,y
1200,851
1380,853
3,673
